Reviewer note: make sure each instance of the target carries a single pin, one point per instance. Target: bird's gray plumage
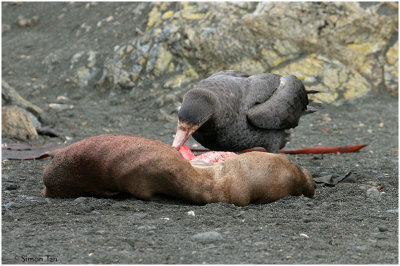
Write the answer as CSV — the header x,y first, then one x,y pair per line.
x,y
247,111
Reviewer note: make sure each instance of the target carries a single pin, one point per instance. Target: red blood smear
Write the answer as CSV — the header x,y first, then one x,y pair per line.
x,y
214,156
186,152
208,157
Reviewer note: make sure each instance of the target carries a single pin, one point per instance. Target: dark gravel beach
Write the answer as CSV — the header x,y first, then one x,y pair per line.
x,y
352,222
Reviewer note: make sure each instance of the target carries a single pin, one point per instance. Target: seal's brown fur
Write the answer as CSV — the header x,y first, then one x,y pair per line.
x,y
106,165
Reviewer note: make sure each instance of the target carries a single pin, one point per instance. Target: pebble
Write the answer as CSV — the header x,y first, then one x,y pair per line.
x,y
304,235
191,213
24,22
240,214
80,200
16,233
363,187
101,232
393,211
12,187
207,237
361,248
373,193
382,228
85,208
9,205
60,107
140,215
62,99
30,198
147,227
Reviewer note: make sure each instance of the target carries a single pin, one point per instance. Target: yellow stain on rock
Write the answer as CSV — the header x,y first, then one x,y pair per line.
x,y
156,32
91,64
278,61
302,68
250,66
154,18
134,76
326,95
331,78
167,14
184,78
187,6
163,60
358,54
189,12
192,16
129,49
143,59
336,84
264,52
355,87
272,58
164,5
392,55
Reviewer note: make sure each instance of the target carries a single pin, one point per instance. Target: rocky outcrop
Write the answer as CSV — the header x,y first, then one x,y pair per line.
x,y
345,50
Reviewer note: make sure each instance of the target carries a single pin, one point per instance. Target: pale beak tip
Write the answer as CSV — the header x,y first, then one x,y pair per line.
x,y
180,138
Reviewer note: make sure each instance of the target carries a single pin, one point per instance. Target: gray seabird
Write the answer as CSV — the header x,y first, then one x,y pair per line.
x,y
233,111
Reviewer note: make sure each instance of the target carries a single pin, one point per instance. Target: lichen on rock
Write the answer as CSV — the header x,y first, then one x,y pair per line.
x,y
344,49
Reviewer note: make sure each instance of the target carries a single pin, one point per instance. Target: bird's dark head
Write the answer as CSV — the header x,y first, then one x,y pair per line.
x,y
197,107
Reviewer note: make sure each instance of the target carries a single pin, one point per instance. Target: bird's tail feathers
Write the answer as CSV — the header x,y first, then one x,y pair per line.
x,y
312,107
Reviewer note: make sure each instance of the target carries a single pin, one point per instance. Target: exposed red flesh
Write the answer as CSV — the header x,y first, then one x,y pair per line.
x,y
214,156
186,152
208,157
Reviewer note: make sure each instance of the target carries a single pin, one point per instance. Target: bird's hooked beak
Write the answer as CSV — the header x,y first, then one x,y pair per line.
x,y
183,133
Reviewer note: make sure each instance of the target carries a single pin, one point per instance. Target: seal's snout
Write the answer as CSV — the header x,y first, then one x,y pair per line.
x,y
308,184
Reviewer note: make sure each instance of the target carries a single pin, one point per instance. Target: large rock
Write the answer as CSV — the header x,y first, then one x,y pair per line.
x,y
19,116
17,123
343,49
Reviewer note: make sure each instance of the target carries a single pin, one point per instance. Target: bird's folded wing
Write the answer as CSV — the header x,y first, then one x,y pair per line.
x,y
283,109
233,73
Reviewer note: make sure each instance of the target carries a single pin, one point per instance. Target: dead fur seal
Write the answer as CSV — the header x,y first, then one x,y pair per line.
x,y
106,165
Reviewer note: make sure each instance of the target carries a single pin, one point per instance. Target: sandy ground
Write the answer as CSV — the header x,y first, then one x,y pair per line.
x,y
342,224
